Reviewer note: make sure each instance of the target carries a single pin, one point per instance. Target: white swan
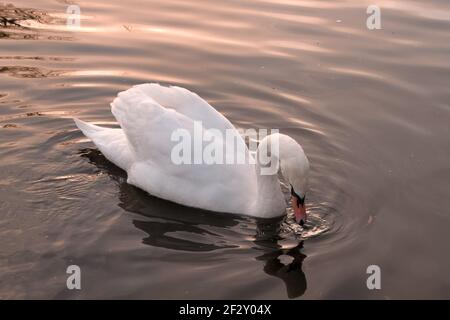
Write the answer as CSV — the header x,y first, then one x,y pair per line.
x,y
148,115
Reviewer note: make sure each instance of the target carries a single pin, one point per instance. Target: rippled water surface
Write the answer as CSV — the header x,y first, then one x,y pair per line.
x,y
370,107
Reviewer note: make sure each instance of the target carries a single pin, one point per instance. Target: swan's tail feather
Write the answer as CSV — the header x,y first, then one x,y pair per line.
x,y
88,129
111,142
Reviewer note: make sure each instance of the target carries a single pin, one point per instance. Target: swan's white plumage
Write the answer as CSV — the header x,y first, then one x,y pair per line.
x,y
148,114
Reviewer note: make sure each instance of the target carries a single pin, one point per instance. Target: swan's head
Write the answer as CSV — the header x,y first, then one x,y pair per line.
x,y
294,166
298,204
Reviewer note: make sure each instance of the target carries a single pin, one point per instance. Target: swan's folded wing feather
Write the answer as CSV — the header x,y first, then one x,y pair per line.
x,y
187,103
147,125
150,113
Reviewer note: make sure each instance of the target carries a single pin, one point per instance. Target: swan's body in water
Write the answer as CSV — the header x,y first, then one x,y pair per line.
x,y
148,115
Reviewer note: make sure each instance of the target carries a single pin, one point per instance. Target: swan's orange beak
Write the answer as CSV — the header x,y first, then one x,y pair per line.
x,y
299,210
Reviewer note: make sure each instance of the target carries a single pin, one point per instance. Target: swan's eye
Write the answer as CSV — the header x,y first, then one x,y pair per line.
x,y
300,200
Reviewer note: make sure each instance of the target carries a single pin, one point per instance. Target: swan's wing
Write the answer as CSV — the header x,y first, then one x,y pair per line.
x,y
147,125
150,113
187,103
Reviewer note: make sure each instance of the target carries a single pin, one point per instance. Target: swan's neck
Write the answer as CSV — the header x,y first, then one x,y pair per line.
x,y
270,201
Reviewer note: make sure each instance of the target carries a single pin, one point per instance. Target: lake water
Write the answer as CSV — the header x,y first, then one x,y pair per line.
x,y
370,107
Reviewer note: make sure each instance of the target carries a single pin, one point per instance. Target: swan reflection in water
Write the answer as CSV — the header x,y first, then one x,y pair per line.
x,y
164,220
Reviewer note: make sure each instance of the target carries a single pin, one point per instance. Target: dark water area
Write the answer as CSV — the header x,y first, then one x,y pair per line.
x,y
371,109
